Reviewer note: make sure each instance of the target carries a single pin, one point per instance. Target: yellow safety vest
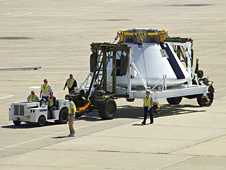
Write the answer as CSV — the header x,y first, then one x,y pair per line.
x,y
69,84
69,107
32,98
45,89
147,102
50,103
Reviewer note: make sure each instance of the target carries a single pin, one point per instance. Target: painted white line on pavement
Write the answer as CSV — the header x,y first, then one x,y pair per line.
x,y
5,96
213,55
22,14
47,136
221,89
110,1
35,87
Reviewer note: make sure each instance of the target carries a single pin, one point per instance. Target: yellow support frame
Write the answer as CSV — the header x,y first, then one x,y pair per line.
x,y
162,35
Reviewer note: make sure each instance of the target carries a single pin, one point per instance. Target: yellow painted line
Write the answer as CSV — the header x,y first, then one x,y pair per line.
x,y
37,83
38,58
43,53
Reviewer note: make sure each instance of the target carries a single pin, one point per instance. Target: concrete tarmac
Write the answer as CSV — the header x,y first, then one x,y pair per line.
x,y
56,34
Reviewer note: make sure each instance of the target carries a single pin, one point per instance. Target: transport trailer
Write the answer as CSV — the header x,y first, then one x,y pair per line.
x,y
142,59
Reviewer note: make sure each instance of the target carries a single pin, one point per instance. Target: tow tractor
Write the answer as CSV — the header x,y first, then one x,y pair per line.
x,y
37,112
142,59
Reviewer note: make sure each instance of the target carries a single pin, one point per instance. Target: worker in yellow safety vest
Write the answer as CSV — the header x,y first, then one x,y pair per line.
x,y
33,97
148,103
71,116
45,90
51,105
70,83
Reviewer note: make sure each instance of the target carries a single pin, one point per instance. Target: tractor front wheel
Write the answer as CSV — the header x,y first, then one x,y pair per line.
x,y
17,123
41,121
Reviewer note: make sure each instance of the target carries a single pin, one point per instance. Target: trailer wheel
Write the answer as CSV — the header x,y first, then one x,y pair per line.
x,y
17,123
78,114
130,99
41,121
107,110
210,95
63,115
174,100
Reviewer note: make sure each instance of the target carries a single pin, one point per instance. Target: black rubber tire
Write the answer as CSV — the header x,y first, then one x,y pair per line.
x,y
78,114
17,123
41,121
130,99
174,100
107,110
63,116
210,95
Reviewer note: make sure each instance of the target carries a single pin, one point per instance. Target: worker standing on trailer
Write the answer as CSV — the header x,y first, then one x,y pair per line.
x,y
45,90
33,97
71,116
148,103
70,83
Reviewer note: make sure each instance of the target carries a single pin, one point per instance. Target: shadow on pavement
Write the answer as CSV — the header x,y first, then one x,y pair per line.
x,y
27,125
60,137
128,111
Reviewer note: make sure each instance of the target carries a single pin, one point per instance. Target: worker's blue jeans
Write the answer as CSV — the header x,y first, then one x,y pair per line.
x,y
146,111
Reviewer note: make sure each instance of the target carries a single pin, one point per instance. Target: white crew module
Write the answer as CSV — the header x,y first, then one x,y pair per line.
x,y
153,59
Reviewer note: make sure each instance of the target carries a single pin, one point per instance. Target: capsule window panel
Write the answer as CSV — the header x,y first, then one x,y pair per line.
x,y
163,53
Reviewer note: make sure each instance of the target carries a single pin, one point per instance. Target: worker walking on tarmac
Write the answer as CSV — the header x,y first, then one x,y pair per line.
x,y
148,107
33,97
45,90
70,83
71,116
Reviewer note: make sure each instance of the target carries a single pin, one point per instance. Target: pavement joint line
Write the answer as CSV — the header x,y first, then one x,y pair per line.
x,y
178,162
47,136
112,151
142,138
208,140
197,127
11,146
